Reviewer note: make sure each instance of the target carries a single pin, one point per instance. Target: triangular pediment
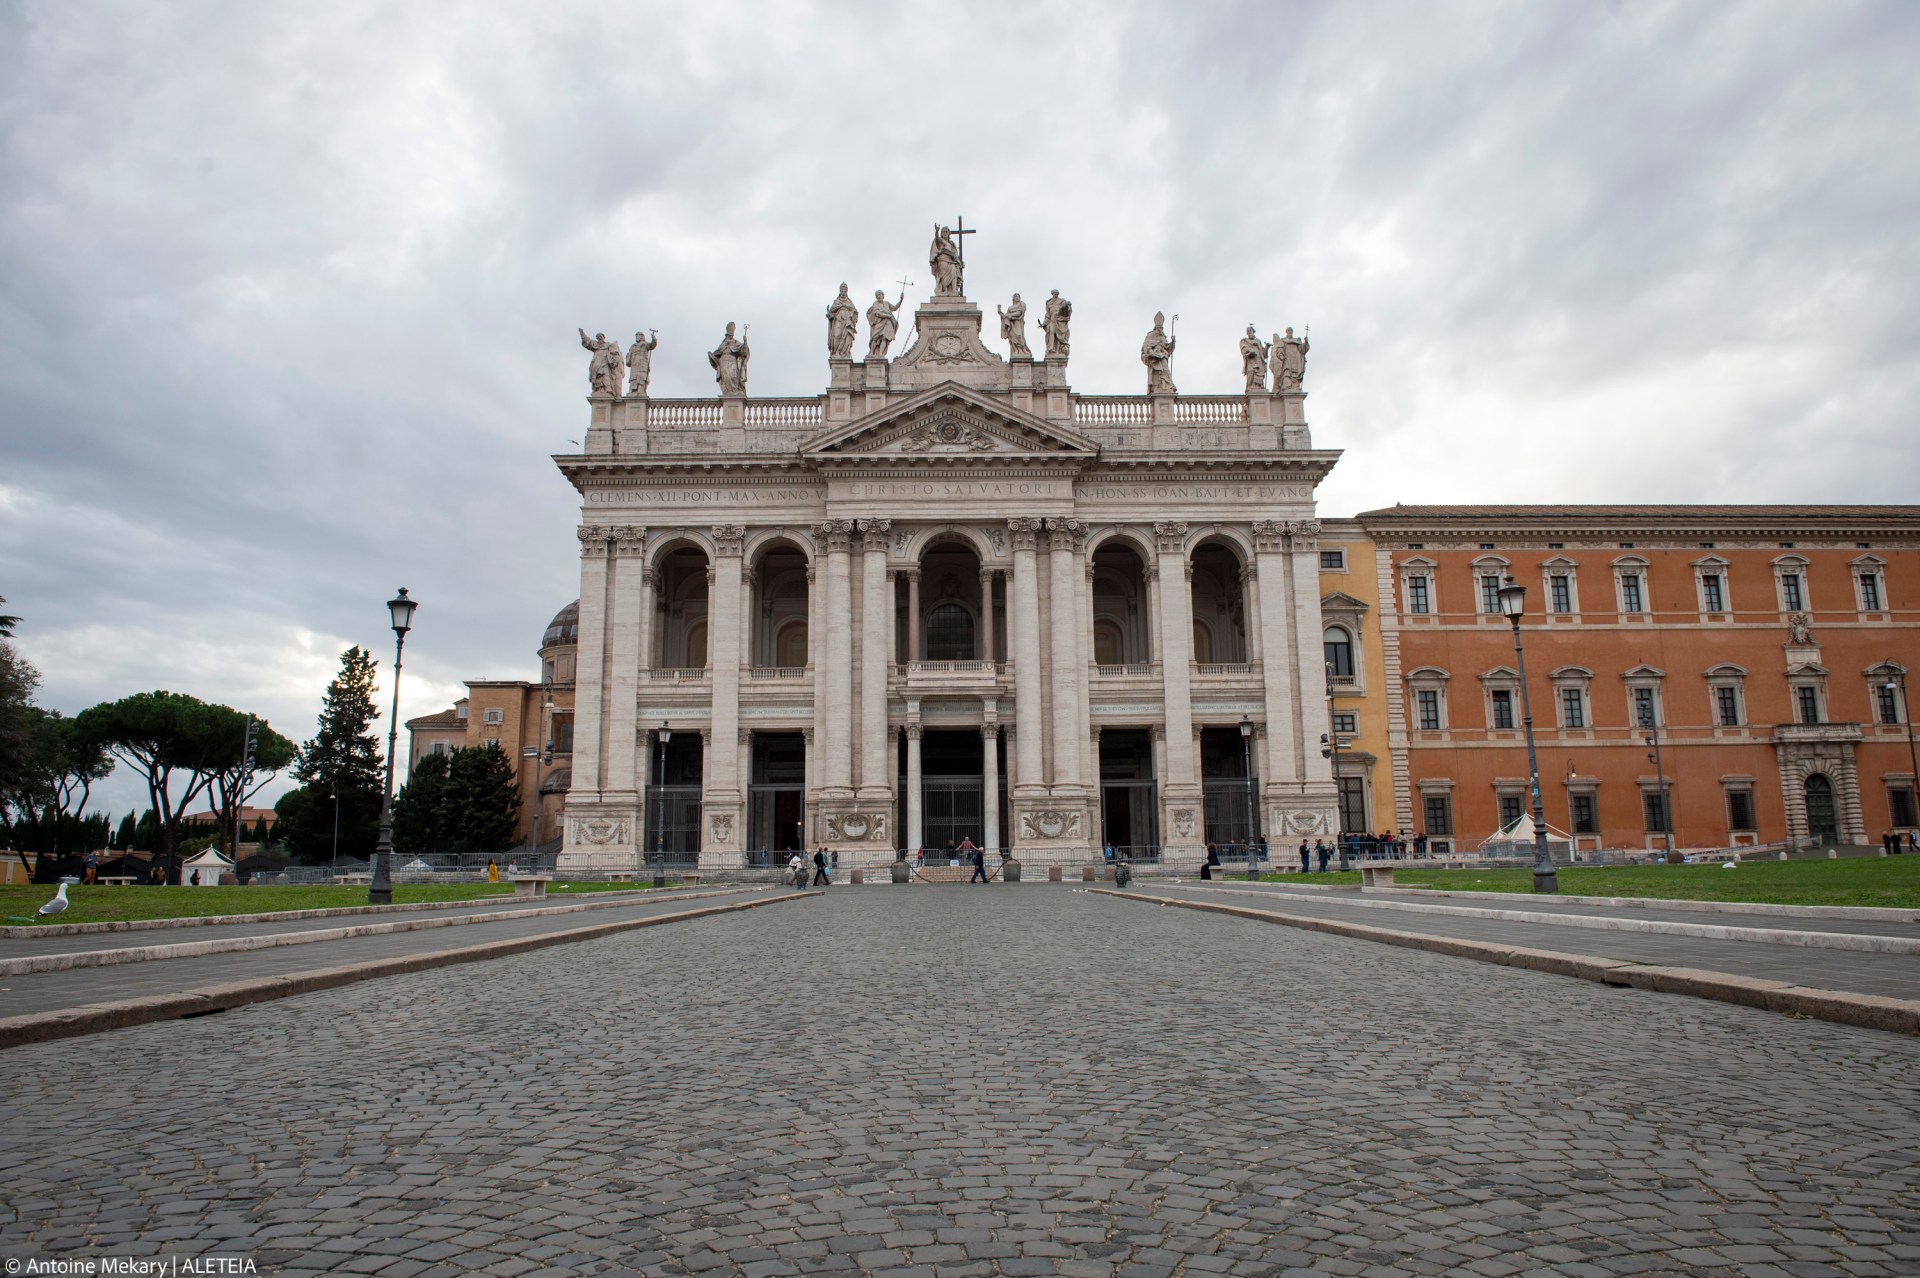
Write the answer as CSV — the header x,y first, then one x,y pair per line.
x,y
950,421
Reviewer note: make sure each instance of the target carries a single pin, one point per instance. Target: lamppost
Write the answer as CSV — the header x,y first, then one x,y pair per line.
x,y
1246,753
1651,722
1513,602
660,808
1332,753
336,827
1906,713
400,610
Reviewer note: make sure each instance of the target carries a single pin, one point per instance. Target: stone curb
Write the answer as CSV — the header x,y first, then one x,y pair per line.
x,y
28,964
92,1018
1869,1011
16,933
1863,913
1861,941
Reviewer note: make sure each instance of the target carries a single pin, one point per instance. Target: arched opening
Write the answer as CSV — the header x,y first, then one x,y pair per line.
x,y
1338,645
1120,634
780,607
1823,822
1219,604
950,605
682,601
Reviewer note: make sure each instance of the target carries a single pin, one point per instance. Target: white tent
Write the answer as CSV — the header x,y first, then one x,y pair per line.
x,y
1516,839
208,865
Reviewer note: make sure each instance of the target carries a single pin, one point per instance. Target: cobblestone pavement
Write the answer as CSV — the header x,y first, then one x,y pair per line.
x,y
951,1082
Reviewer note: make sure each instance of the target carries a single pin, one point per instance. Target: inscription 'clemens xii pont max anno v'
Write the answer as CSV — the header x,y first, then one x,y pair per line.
x,y
948,597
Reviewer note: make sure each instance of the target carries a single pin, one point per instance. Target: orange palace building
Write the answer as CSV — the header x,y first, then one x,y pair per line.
x,y
1767,647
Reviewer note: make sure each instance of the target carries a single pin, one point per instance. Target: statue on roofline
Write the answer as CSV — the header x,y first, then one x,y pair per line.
x,y
842,318
729,360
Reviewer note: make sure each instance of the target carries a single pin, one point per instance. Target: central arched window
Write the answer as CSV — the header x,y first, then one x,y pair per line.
x,y
950,633
1339,649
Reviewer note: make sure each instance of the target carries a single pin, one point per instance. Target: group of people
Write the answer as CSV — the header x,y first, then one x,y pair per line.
x,y
966,851
1895,842
1212,863
823,865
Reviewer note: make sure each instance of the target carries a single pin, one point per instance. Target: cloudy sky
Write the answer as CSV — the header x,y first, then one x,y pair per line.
x,y
288,293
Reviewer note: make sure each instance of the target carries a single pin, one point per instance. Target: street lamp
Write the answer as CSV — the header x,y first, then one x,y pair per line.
x,y
1651,722
1906,713
1331,752
400,610
1513,602
660,809
1246,753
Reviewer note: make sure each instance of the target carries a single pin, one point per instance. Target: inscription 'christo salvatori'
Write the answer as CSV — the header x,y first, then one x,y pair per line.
x,y
959,488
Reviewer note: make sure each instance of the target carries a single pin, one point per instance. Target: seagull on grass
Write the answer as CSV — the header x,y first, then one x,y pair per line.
x,y
57,904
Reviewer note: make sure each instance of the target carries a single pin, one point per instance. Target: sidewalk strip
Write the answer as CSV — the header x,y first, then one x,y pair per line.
x,y
71,1022
1870,1011
1866,942
28,964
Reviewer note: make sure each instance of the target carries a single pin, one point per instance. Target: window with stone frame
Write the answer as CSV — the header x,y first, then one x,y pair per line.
x,y
1561,585
1740,809
1338,647
1869,588
1490,572
1490,592
1807,686
1428,685
1572,692
1417,586
1500,692
1419,599
1573,708
1726,686
1900,805
1790,582
1886,691
1630,584
1711,585
1653,806
1806,700
1501,704
1713,592
1439,814
1345,722
1429,700
1584,814
1645,705
1512,808
1886,702
1560,593
1333,561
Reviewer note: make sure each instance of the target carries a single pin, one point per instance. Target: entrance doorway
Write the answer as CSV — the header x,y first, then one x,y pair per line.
x,y
673,807
1129,795
953,794
1823,822
776,797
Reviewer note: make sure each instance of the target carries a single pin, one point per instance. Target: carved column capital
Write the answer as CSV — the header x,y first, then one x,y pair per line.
x,y
593,540
990,732
806,737
809,573
1171,536
1067,534
913,731
1304,532
629,540
873,534
1157,731
835,534
1024,532
1269,535
729,539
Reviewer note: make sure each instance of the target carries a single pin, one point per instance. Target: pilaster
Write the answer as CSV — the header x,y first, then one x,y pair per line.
x,y
876,629
835,675
721,817
1023,618
1180,825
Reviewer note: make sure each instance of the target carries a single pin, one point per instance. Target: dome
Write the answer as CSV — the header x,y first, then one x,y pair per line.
x,y
564,629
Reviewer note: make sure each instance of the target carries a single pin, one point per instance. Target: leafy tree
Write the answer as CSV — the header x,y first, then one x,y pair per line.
x,y
465,801
343,758
7,623
233,778
123,837
179,743
22,732
258,836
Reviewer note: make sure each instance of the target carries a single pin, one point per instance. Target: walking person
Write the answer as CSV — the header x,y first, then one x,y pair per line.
x,y
1304,854
979,863
1323,852
820,878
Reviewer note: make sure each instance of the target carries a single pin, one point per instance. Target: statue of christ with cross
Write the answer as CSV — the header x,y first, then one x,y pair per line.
x,y
946,259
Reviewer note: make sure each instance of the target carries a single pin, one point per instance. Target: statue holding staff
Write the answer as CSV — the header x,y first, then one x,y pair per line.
x,y
882,326
1292,353
729,360
1054,324
1156,352
606,372
640,361
1253,361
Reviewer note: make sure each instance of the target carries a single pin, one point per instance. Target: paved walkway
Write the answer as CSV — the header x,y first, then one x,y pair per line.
x,y
49,991
1851,971
954,1083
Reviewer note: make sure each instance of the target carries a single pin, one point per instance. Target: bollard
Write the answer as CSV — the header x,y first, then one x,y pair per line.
x,y
901,871
1086,874
1053,874
859,877
1122,873
1010,870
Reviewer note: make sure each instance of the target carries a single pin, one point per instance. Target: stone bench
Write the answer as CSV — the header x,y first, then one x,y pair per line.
x,y
622,876
1378,874
117,880
351,879
530,884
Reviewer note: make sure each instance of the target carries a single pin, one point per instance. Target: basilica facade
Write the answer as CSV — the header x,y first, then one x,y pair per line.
x,y
949,597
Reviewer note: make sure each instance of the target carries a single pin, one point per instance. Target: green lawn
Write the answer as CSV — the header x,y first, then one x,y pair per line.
x,y
103,904
1882,881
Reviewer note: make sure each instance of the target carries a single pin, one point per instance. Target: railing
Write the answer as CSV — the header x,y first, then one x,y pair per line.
x,y
776,672
1113,410
683,673
953,667
1124,671
784,412
683,412
1223,668
1210,410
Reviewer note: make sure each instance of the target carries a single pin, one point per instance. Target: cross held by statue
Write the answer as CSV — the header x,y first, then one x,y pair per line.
x,y
960,229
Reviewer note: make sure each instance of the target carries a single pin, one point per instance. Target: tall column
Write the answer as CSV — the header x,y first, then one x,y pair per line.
x,y
625,625
1312,667
1250,608
876,629
1023,614
589,685
720,773
916,823
1069,660
1276,653
913,616
990,782
834,672
986,615
1180,790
